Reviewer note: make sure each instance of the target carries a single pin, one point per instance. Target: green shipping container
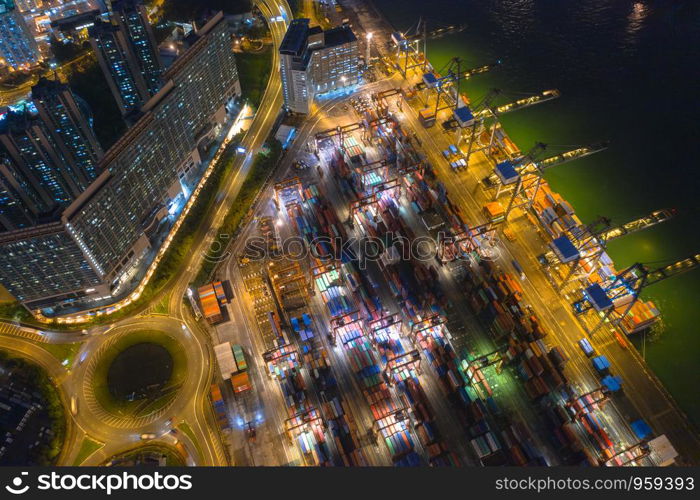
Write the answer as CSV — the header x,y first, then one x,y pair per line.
x,y
240,358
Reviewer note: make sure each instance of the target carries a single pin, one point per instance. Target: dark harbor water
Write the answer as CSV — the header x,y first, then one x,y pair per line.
x,y
629,73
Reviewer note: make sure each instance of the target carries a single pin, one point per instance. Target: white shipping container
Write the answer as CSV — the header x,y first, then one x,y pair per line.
x,y
224,356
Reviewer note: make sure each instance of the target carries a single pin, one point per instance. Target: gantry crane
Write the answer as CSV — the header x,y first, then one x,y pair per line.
x,y
303,420
374,194
285,186
453,73
365,171
343,322
505,184
341,131
526,177
414,41
409,360
475,123
590,241
432,321
467,236
447,86
474,118
385,323
628,283
492,358
529,158
461,74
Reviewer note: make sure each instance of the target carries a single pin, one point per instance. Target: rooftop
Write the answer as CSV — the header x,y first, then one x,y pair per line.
x,y
294,42
45,87
101,27
339,36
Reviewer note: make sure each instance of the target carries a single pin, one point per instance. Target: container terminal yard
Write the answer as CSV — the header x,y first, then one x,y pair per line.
x,y
489,325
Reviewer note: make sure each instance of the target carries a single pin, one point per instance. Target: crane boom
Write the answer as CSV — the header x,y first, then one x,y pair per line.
x,y
656,217
340,130
574,154
671,270
492,179
479,70
433,34
451,75
522,103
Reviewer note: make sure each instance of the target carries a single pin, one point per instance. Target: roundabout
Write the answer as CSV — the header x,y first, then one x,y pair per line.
x,y
136,374
154,453
141,371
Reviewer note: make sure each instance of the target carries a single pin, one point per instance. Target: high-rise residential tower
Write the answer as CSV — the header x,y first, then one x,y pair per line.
x,y
70,121
132,19
48,154
14,211
128,55
34,157
18,49
119,66
107,237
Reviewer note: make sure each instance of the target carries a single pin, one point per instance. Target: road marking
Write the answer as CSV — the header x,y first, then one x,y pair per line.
x,y
9,329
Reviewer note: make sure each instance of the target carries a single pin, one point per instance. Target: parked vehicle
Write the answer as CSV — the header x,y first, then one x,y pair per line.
x,y
586,347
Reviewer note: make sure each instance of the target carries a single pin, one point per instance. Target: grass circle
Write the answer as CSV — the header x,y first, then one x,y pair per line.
x,y
139,373
155,367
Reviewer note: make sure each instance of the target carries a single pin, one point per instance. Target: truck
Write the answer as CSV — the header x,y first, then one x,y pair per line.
x,y
586,347
516,266
226,359
240,379
601,364
426,117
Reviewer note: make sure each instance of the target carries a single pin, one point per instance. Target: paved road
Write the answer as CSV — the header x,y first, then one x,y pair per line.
x,y
117,432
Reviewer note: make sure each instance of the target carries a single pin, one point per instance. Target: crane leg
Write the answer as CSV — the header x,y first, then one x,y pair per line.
x,y
493,136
